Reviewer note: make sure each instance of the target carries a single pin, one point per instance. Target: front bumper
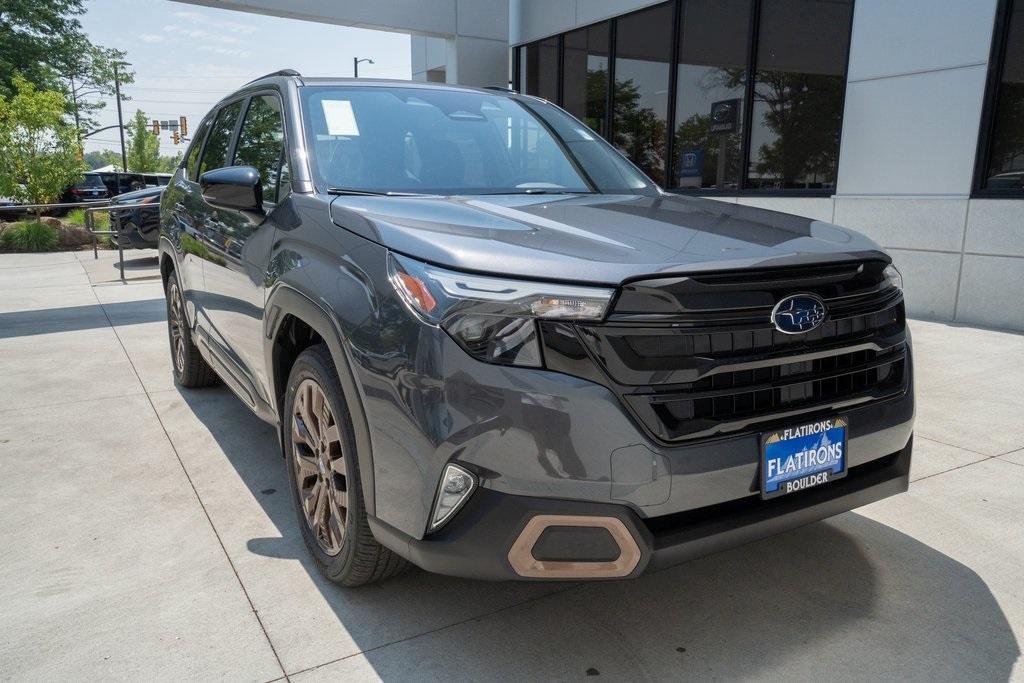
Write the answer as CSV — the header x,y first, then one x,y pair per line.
x,y
478,542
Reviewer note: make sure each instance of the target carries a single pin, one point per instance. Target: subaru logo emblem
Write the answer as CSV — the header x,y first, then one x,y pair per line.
x,y
799,313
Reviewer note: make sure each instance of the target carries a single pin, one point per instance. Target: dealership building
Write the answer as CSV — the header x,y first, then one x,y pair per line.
x,y
904,120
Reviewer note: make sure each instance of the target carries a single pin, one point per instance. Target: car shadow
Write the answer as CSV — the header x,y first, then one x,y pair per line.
x,y
76,318
848,597
137,263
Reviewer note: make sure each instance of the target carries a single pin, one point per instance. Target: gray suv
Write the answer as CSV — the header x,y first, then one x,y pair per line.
x,y
493,348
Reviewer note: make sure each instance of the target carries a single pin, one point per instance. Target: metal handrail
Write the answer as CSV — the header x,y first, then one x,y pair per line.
x,y
90,209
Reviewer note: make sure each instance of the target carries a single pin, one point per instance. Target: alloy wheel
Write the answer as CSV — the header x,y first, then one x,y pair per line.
x,y
320,471
176,320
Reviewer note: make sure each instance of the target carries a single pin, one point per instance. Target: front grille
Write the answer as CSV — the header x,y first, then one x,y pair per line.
x,y
696,371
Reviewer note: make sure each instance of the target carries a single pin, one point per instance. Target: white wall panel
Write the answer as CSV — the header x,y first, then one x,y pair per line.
x,y
903,36
913,134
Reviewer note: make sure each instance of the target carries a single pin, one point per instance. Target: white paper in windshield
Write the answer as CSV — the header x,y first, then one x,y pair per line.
x,y
341,120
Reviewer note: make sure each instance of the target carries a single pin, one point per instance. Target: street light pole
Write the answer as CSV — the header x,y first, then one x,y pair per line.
x,y
120,119
355,65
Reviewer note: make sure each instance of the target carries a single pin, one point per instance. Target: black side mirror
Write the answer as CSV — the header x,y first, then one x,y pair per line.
x,y
233,187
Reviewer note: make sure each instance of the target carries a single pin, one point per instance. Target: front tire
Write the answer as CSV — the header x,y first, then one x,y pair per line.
x,y
190,369
323,471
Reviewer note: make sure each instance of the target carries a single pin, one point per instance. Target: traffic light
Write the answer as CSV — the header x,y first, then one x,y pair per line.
x,y
156,127
183,123
176,138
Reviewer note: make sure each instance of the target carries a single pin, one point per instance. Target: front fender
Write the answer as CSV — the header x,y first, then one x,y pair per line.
x,y
284,300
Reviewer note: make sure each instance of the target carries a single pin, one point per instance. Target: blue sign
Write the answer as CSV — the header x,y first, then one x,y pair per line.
x,y
801,457
691,163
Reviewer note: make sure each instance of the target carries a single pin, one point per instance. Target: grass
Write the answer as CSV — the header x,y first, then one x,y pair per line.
x,y
30,236
100,219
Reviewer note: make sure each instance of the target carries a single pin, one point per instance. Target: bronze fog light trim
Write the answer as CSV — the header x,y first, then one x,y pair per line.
x,y
520,556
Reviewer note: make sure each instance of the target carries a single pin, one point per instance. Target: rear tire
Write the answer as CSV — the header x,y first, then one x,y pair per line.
x,y
190,369
323,470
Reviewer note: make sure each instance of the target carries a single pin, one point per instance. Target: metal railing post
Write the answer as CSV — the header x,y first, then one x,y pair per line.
x,y
89,208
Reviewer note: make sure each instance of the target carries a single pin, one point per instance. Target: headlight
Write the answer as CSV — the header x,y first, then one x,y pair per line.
x,y
493,319
893,277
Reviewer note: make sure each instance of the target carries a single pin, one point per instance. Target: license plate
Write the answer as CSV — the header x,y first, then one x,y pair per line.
x,y
803,456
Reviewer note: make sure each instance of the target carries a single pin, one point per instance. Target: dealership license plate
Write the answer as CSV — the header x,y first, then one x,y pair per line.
x,y
803,456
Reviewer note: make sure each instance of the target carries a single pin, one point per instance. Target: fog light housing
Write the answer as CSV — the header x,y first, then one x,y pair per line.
x,y
457,484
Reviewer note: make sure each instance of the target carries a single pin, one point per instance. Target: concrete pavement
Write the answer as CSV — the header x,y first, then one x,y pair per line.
x,y
147,533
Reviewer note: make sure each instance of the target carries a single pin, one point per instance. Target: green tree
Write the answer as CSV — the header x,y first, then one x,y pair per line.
x,y
168,163
106,157
92,74
43,42
38,149
143,146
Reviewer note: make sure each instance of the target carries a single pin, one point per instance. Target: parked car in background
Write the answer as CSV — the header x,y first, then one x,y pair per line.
x,y
90,188
494,348
138,227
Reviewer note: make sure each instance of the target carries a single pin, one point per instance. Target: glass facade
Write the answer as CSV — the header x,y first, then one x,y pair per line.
x,y
709,95
1002,169
585,76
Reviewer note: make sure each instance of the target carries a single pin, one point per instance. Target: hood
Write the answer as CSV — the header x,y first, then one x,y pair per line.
x,y
601,239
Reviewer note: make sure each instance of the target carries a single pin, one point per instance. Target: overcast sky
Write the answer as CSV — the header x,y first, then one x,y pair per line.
x,y
186,57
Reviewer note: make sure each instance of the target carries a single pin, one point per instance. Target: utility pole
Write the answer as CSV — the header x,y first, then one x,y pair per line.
x,y
355,65
120,119
78,123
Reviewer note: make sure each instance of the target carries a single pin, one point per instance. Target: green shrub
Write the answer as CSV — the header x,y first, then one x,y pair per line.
x,y
100,219
30,236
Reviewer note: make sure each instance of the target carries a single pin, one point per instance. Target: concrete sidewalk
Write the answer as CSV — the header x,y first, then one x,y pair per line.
x,y
147,533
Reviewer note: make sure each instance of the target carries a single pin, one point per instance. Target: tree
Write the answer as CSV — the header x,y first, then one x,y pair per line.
x,y
43,41
106,157
169,163
94,73
38,149
143,146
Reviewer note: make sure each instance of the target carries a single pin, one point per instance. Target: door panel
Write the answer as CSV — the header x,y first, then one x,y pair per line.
x,y
240,244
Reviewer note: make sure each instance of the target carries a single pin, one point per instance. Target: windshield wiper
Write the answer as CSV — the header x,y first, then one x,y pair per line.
x,y
370,193
541,190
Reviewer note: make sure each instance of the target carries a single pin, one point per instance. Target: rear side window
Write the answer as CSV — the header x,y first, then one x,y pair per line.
x,y
216,151
261,143
192,158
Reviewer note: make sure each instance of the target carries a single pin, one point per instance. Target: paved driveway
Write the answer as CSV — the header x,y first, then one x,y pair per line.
x,y
146,533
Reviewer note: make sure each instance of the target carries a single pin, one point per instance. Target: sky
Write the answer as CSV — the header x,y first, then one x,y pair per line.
x,y
186,57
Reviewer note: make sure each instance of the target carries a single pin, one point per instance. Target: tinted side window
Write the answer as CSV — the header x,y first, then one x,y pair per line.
x,y
215,154
192,158
261,142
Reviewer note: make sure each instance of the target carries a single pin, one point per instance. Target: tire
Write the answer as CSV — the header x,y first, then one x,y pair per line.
x,y
189,367
323,473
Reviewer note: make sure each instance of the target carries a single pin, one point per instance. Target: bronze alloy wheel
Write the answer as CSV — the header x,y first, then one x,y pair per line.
x,y
176,320
320,471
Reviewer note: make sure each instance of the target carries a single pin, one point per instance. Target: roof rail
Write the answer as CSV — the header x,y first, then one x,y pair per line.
x,y
501,88
280,72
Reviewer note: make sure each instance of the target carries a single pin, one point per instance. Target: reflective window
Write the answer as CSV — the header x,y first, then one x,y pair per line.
x,y
539,69
643,48
710,86
192,158
585,76
798,93
1003,171
261,142
216,151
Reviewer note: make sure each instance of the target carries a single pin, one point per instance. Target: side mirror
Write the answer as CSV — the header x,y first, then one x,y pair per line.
x,y
233,187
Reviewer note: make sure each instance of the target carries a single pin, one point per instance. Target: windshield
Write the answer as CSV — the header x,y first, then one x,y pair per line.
x,y
91,181
433,141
